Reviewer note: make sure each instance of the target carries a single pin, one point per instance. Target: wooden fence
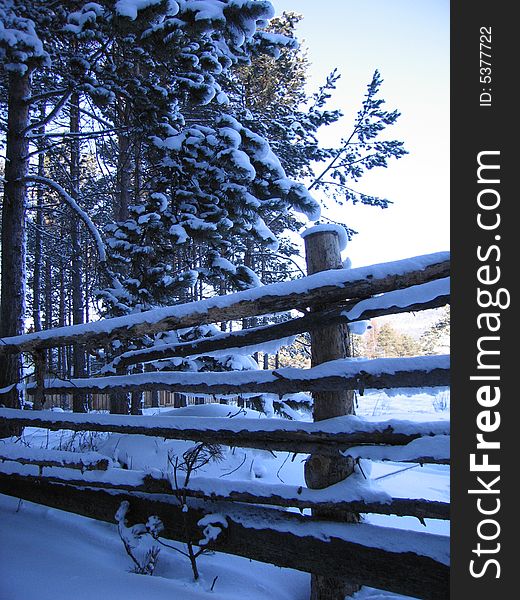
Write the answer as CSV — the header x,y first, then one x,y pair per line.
x,y
327,543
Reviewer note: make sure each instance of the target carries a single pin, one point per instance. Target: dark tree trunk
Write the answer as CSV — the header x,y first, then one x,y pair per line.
x,y
48,309
154,394
154,399
179,400
124,165
62,365
38,242
124,179
122,403
40,358
86,292
136,403
78,354
12,305
137,170
137,397
37,271
119,401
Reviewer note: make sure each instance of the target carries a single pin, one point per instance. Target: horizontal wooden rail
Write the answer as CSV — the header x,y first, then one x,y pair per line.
x,y
364,553
275,495
56,458
325,287
435,294
383,373
265,434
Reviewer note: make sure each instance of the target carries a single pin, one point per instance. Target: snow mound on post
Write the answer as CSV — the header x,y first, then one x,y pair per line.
x,y
329,227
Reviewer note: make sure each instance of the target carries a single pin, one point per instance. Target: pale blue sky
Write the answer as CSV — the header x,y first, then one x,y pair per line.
x,y
408,41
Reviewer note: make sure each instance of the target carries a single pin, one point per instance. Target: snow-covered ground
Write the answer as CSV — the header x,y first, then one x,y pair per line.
x,y
50,554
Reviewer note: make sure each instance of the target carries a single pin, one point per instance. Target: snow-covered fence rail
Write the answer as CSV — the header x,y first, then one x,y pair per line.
x,y
406,562
427,371
340,433
433,294
337,499
85,461
327,287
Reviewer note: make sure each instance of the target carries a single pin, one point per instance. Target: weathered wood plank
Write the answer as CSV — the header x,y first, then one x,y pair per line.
x,y
425,371
259,335
415,507
268,535
264,434
301,294
55,458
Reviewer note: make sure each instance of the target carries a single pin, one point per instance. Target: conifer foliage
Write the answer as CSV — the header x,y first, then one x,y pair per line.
x,y
159,151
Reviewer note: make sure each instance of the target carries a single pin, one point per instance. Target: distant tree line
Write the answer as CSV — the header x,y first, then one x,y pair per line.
x,y
385,340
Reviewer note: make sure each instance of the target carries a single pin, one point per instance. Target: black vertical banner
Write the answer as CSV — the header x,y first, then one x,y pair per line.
x,y
485,244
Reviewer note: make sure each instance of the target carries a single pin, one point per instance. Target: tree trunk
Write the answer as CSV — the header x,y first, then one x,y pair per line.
x,y
48,309
322,253
179,400
137,397
122,403
154,399
124,165
154,394
62,364
78,354
38,242
123,178
119,403
137,170
12,304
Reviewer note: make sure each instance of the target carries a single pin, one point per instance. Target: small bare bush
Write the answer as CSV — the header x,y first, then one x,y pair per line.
x,y
136,540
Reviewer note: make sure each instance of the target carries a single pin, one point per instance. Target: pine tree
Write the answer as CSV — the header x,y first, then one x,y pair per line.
x,y
386,342
21,52
185,130
361,151
436,338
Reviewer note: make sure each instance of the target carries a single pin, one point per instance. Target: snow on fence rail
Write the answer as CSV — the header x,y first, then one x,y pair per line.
x,y
56,458
432,294
352,494
328,287
351,374
340,433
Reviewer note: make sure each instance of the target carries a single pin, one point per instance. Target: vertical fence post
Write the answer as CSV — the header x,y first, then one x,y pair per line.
x,y
330,342
119,401
39,372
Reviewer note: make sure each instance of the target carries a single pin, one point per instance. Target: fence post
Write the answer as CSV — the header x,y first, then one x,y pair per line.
x,y
119,401
39,372
322,253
